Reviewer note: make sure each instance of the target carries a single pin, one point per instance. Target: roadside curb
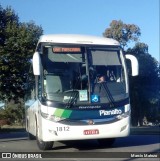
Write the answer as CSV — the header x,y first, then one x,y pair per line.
x,y
145,130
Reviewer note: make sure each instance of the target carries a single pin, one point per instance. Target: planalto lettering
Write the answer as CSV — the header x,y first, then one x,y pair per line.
x,y
110,112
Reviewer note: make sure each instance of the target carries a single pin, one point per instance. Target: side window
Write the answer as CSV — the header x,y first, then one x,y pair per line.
x,y
39,87
30,94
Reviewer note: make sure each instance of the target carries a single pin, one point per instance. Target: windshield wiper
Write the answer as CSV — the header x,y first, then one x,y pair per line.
x,y
109,95
74,95
72,99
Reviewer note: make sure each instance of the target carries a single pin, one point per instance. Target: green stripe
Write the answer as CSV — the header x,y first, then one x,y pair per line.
x,y
66,113
58,112
62,113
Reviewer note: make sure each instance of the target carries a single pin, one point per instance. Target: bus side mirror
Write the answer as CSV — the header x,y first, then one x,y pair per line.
x,y
36,63
134,64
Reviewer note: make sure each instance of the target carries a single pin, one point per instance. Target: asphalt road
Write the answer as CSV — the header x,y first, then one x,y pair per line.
x,y
133,147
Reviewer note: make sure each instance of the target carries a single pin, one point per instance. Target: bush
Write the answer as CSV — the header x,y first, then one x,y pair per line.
x,y
14,113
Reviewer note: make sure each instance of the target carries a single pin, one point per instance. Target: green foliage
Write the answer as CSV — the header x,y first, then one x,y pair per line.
x,y
124,33
17,44
147,84
14,113
144,89
2,114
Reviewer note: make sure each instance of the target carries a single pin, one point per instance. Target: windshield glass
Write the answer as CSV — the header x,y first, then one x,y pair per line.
x,y
107,75
81,75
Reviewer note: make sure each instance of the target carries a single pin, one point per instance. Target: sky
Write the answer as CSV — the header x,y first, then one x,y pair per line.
x,y
92,17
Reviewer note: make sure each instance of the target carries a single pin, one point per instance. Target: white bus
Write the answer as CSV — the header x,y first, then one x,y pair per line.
x,y
80,91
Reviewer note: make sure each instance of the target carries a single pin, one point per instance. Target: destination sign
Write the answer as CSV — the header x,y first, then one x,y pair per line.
x,y
66,49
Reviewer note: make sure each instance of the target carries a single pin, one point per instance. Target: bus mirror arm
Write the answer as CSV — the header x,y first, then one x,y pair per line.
x,y
134,64
36,63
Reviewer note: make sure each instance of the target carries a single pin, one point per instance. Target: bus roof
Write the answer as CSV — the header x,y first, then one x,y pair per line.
x,y
78,39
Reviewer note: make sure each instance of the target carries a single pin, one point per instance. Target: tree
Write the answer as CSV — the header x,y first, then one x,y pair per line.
x,y
124,33
17,44
146,86
144,89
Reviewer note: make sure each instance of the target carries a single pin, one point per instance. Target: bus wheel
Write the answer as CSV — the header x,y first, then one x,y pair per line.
x,y
31,137
107,142
43,145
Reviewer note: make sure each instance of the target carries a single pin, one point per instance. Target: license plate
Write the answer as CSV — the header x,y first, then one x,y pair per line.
x,y
91,132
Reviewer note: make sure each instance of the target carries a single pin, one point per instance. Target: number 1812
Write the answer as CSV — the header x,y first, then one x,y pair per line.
x,y
64,128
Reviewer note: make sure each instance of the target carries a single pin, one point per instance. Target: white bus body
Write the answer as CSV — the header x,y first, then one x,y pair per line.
x,y
69,101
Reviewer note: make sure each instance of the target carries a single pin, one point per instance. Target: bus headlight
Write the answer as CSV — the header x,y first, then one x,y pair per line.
x,y
124,115
55,118
51,117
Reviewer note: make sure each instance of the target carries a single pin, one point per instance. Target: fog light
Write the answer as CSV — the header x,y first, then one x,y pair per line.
x,y
53,132
123,128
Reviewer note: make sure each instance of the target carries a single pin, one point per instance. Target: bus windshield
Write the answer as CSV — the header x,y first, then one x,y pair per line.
x,y
82,75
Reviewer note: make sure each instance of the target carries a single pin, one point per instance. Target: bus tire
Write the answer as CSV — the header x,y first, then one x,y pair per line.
x,y
31,137
43,145
107,142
